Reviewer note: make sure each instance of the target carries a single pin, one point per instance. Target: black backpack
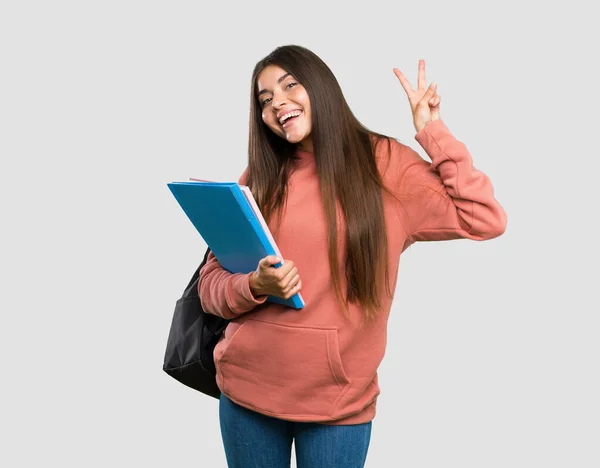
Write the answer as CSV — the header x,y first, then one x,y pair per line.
x,y
192,339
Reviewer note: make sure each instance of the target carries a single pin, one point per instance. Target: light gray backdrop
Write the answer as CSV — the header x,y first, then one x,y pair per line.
x,y
492,357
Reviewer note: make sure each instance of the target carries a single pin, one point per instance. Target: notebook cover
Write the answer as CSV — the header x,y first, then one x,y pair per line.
x,y
224,217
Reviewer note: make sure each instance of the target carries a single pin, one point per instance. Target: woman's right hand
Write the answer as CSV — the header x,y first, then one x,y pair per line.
x,y
282,282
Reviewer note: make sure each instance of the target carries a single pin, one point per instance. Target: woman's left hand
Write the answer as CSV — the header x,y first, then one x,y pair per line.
x,y
424,102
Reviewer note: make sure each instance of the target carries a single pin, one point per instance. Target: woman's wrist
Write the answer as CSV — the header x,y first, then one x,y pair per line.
x,y
254,289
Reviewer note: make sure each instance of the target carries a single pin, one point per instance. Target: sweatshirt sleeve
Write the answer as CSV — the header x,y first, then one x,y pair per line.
x,y
224,293
447,198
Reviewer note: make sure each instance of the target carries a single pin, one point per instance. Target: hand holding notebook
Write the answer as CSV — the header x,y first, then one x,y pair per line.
x,y
228,219
282,282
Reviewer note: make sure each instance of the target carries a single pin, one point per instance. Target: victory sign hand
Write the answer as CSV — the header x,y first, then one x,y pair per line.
x,y
424,102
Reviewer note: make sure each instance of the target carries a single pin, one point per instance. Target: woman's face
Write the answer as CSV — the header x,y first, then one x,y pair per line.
x,y
279,94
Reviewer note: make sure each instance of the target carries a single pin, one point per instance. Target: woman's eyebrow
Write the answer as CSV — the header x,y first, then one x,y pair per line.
x,y
283,77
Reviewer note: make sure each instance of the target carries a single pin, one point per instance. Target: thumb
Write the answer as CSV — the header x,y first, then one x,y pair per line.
x,y
270,260
430,92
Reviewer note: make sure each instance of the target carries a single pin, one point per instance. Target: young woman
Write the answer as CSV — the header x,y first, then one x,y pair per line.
x,y
343,203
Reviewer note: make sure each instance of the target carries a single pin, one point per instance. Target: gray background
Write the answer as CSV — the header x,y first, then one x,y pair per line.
x,y
492,357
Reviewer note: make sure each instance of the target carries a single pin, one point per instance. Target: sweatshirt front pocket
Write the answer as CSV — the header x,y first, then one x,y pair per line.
x,y
286,371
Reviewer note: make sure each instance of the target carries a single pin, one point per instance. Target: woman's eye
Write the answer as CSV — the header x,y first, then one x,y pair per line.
x,y
264,101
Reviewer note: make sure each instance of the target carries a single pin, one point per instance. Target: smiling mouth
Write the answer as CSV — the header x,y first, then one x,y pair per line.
x,y
291,121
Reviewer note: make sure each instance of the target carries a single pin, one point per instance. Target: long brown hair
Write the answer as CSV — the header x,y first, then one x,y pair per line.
x,y
344,152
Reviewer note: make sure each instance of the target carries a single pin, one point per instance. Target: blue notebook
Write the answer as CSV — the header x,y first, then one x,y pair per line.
x,y
227,217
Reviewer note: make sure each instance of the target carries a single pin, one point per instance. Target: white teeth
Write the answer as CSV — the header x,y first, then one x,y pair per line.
x,y
288,115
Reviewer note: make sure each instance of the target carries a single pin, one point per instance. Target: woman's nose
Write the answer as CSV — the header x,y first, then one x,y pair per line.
x,y
278,101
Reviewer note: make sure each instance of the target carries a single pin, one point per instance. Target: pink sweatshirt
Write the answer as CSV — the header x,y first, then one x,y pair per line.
x,y
313,364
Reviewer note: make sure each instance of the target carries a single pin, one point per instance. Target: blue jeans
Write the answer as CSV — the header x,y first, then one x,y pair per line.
x,y
254,440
